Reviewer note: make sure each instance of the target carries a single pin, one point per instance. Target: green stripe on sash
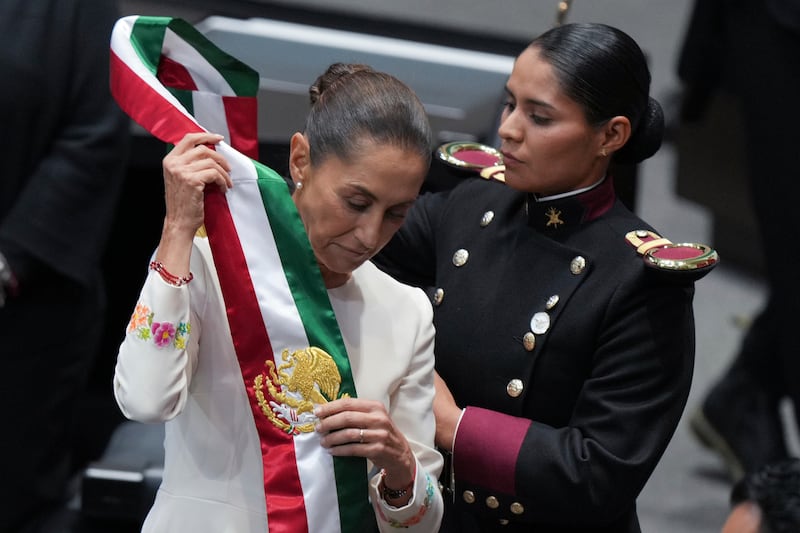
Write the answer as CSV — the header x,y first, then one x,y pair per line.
x,y
322,330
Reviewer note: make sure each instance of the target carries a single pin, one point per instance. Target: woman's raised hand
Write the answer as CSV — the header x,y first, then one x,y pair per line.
x,y
189,168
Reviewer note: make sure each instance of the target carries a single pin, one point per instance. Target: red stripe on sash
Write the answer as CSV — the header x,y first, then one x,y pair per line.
x,y
241,113
173,74
284,495
147,106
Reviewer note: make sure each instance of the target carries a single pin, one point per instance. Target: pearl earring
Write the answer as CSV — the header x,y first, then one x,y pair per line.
x,y
298,185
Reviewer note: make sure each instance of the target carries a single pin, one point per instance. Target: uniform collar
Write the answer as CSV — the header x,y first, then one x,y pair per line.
x,y
564,212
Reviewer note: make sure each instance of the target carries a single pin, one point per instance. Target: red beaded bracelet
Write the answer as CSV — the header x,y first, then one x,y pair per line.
x,y
172,279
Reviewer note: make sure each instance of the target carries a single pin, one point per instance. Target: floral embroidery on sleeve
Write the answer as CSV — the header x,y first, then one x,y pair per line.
x,y
163,334
426,503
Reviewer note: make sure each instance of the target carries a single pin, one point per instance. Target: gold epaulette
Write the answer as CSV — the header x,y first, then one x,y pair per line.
x,y
472,156
686,260
497,172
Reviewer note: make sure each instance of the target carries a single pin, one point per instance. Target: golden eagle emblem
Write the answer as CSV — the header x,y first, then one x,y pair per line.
x,y
306,378
553,217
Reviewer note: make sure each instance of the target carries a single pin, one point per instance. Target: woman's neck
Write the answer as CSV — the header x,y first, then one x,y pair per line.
x,y
576,192
333,279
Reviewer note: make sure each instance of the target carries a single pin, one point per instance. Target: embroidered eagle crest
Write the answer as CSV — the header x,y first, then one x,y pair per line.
x,y
308,377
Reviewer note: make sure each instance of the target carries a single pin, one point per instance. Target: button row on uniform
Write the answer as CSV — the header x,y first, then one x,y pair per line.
x,y
493,503
540,321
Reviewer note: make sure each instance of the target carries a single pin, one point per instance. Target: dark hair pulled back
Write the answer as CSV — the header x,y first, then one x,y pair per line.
x,y
605,72
352,103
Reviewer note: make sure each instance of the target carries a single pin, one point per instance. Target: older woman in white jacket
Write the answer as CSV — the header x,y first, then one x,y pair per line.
x,y
357,169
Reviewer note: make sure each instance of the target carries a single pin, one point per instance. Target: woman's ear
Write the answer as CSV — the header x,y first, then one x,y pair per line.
x,y
615,133
299,158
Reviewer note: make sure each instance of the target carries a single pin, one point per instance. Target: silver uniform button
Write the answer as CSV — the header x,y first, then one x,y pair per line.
x,y
577,265
504,521
487,218
529,341
492,503
469,496
460,257
551,302
517,508
540,322
642,233
438,296
514,387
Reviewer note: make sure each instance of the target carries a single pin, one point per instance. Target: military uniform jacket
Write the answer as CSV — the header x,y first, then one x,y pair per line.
x,y
572,359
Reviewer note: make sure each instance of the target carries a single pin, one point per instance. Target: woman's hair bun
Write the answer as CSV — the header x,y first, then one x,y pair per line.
x,y
331,76
646,138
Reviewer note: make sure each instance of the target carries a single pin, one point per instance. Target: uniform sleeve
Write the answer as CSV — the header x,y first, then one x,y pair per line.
x,y
157,356
411,409
591,471
410,256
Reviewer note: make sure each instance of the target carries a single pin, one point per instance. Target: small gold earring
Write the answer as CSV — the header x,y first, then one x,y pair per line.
x,y
603,152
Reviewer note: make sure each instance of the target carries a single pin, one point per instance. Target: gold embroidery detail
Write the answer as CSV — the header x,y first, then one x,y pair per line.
x,y
307,378
553,217
201,232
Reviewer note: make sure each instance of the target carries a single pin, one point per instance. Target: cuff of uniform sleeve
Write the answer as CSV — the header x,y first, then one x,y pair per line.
x,y
488,441
455,432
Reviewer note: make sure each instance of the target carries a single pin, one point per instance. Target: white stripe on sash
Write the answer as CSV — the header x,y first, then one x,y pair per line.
x,y
286,330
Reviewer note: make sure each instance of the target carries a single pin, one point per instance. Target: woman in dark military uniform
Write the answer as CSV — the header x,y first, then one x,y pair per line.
x,y
565,330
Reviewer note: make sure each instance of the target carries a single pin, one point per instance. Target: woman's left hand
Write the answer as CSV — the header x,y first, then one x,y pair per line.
x,y
363,428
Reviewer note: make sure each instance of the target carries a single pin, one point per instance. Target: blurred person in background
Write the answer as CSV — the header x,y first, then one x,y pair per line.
x,y
767,501
63,158
750,50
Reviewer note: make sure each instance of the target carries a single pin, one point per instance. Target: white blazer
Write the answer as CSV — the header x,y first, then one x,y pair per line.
x,y
213,472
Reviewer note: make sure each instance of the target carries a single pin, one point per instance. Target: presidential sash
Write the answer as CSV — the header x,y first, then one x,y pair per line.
x,y
172,80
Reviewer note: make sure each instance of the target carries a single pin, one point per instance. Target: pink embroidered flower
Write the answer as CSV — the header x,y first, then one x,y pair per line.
x,y
163,333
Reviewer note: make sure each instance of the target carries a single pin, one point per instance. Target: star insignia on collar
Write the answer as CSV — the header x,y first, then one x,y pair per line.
x,y
553,217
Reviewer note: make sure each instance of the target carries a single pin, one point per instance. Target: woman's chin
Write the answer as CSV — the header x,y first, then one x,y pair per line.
x,y
516,182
